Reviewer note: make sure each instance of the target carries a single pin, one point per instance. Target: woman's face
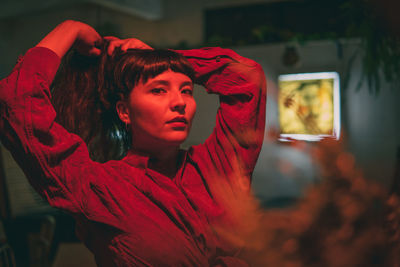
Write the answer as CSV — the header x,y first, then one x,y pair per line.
x,y
160,111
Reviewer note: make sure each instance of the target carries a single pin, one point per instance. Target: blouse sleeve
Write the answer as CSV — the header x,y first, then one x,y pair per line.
x,y
236,141
55,161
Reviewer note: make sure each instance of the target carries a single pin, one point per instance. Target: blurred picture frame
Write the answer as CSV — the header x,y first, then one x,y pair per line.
x,y
309,106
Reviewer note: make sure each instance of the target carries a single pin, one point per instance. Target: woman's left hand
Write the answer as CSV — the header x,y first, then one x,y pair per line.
x,y
124,44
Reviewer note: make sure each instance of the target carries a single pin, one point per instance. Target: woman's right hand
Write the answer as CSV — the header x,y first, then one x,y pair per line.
x,y
88,41
124,44
72,33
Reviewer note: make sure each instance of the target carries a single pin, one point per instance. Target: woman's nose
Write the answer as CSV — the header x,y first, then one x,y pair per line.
x,y
178,103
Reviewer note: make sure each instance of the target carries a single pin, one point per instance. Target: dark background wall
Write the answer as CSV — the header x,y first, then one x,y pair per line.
x,y
370,122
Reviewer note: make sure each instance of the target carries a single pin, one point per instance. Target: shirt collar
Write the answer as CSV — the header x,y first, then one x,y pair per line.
x,y
140,160
137,159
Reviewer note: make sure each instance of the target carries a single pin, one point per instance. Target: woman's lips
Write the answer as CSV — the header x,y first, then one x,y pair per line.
x,y
178,122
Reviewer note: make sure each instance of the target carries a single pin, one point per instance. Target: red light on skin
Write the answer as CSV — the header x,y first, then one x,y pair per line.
x,y
177,125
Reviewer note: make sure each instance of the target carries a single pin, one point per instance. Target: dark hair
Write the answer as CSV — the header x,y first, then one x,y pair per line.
x,y
86,90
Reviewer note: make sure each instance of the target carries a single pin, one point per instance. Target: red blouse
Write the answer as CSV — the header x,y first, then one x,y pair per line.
x,y
126,213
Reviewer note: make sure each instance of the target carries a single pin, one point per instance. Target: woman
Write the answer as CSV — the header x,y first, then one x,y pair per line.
x,y
156,206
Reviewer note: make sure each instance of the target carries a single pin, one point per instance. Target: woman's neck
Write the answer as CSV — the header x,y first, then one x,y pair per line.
x,y
165,161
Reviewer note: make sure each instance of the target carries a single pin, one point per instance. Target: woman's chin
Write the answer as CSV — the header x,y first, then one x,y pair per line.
x,y
176,139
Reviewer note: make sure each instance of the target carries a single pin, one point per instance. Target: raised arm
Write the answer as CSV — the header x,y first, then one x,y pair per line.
x,y
72,33
54,160
235,143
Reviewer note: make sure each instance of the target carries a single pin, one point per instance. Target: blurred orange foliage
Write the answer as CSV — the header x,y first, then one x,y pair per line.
x,y
344,220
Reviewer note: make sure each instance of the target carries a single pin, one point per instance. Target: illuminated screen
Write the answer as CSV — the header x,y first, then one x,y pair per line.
x,y
309,106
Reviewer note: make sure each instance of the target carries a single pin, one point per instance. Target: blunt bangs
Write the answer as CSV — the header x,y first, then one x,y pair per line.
x,y
140,65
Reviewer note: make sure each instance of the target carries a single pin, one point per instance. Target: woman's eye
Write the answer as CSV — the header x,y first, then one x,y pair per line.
x,y
187,91
157,91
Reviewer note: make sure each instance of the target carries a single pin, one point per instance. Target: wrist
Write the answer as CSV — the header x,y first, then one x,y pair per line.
x,y
80,29
61,38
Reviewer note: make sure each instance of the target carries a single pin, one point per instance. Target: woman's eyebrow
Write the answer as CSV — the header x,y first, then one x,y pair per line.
x,y
187,83
159,82
167,83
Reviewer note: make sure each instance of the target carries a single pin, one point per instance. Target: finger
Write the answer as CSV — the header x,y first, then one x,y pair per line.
x,y
110,38
110,49
129,44
134,44
94,52
94,39
142,45
112,46
99,43
147,46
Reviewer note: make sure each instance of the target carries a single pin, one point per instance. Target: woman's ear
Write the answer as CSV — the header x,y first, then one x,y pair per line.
x,y
123,112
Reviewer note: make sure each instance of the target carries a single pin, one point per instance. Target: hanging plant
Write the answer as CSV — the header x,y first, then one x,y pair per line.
x,y
380,46
308,20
